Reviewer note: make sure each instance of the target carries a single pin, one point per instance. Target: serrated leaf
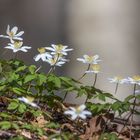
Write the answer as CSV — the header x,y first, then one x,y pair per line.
x,y
21,68
22,108
13,106
5,125
32,69
29,78
41,79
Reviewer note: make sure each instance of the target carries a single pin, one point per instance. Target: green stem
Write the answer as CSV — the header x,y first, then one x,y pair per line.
x,y
134,91
65,96
95,80
84,73
117,85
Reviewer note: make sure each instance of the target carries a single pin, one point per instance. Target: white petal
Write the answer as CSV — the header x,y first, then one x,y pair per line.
x,y
14,30
22,49
17,38
33,104
68,49
82,116
74,116
37,57
81,59
69,112
81,107
49,48
26,47
85,112
20,33
8,29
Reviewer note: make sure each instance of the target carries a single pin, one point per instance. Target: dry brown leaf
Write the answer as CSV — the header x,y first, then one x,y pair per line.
x,y
39,121
92,129
26,134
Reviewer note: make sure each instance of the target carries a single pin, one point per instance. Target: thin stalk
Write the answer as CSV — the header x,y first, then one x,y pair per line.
x,y
131,115
65,96
84,73
117,85
95,80
53,67
134,104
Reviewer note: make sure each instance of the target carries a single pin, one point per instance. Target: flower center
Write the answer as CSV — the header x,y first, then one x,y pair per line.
x,y
90,58
18,44
78,110
96,67
59,48
30,99
136,78
41,50
11,34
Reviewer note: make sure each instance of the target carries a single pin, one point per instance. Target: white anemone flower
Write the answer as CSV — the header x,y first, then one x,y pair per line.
x,y
17,46
59,49
78,112
56,60
43,55
95,69
134,80
89,59
117,79
12,34
29,101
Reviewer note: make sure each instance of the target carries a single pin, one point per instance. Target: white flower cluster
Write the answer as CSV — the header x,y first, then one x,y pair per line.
x,y
129,80
55,56
16,43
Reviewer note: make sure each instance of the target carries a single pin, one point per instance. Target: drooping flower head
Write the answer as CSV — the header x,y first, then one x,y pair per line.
x,y
43,55
17,46
12,34
59,49
78,112
95,68
29,101
89,59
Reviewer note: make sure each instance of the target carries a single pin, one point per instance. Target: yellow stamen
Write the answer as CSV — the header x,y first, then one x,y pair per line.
x,y
78,110
41,50
59,48
31,99
11,34
96,67
136,78
18,44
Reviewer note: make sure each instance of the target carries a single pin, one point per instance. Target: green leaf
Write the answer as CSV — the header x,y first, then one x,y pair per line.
x,y
5,125
32,69
57,82
101,97
13,106
2,87
29,78
18,90
41,79
15,126
21,68
22,108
